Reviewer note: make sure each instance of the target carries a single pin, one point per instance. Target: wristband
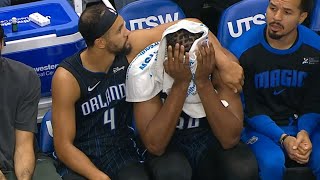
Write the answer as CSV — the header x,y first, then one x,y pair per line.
x,y
283,138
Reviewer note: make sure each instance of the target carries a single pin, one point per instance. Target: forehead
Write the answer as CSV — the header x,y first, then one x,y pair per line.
x,y
116,25
290,4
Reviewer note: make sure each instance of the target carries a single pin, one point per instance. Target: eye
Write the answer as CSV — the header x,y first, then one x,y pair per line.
x,y
287,12
272,8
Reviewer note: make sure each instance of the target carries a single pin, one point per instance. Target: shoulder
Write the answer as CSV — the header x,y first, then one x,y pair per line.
x,y
248,40
309,37
22,72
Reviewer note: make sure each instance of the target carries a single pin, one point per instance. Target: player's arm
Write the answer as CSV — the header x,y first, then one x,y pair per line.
x,y
65,92
2,177
231,73
24,157
156,121
225,120
26,125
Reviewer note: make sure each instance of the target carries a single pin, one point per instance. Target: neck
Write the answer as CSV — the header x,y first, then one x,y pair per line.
x,y
284,42
97,60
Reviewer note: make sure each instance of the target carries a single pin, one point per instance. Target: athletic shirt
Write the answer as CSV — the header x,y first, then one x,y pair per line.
x,y
103,117
282,84
185,121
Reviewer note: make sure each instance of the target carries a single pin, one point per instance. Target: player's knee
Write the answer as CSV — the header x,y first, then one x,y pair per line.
x,y
171,166
135,171
237,170
272,163
234,164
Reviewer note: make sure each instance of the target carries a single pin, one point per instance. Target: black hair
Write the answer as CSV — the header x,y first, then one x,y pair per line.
x,y
95,21
183,37
306,5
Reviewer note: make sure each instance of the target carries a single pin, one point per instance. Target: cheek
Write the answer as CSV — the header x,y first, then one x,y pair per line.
x,y
291,23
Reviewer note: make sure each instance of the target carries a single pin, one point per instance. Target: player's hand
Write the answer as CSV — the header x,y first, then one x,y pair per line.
x,y
289,144
205,64
232,75
2,177
177,64
304,147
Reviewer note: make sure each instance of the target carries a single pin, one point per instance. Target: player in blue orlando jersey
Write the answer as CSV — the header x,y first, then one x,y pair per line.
x,y
281,61
91,119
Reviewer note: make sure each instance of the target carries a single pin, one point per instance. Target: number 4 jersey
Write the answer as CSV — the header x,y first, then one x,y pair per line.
x,y
103,117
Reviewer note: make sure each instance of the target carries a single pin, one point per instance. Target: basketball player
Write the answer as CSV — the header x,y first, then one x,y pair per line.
x,y
209,142
281,61
91,120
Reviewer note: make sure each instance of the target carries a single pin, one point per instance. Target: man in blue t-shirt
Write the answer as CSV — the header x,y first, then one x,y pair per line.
x,y
281,61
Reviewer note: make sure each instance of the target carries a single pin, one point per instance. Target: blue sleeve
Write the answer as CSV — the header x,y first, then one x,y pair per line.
x,y
266,126
308,122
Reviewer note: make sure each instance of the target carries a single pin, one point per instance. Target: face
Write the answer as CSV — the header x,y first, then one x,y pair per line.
x,y
283,17
117,38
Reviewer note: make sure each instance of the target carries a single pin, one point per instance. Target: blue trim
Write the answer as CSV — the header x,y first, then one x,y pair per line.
x,y
292,49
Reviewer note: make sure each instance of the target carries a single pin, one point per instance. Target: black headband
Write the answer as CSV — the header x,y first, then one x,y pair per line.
x,y
106,21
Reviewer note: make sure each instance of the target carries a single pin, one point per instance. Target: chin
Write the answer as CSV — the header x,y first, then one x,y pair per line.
x,y
274,35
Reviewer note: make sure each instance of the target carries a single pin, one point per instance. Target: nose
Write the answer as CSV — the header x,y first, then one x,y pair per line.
x,y
278,15
126,31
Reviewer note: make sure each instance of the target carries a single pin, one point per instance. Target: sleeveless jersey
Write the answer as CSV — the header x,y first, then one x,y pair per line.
x,y
103,117
282,84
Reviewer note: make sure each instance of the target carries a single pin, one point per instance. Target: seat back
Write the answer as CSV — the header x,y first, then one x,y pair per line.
x,y
46,134
315,17
239,18
144,14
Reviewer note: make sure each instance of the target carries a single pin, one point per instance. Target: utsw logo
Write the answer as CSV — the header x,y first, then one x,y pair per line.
x,y
152,21
258,19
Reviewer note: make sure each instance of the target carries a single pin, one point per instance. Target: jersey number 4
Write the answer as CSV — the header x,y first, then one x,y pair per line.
x,y
109,118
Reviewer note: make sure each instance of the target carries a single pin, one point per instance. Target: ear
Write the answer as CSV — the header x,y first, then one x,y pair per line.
x,y
303,16
100,43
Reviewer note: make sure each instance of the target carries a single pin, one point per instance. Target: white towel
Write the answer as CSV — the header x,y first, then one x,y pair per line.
x,y
140,81
192,106
146,76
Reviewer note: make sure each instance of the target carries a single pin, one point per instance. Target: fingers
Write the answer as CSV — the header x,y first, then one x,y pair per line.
x,y
212,53
170,53
199,57
187,60
302,159
181,55
176,52
233,87
298,141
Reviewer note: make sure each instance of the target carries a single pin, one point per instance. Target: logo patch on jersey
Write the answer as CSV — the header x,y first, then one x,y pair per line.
x,y
275,92
116,69
93,87
252,140
311,60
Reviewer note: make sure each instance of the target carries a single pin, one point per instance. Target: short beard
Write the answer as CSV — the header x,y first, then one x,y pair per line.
x,y
274,36
125,50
